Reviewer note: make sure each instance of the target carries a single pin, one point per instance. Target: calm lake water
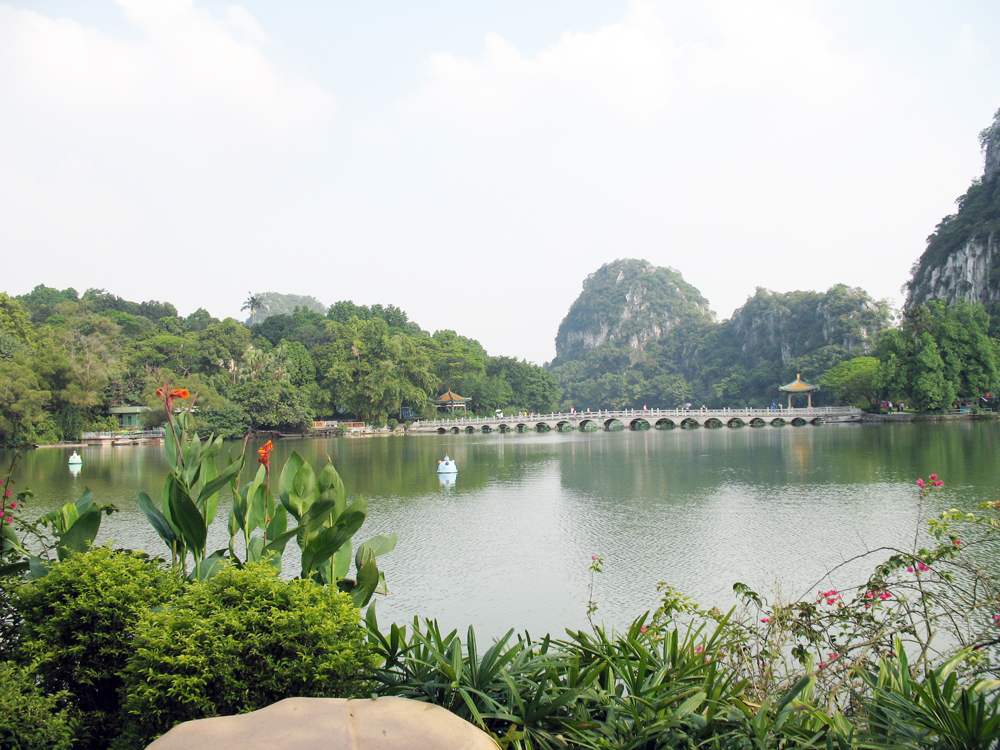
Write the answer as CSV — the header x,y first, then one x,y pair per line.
x,y
510,544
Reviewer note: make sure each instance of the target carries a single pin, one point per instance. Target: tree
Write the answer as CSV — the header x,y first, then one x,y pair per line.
x,y
254,303
372,374
857,381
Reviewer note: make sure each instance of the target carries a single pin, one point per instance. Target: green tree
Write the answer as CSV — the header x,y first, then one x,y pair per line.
x,y
857,381
255,303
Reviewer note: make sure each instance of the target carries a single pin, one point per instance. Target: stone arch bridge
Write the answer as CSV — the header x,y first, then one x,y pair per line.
x,y
640,419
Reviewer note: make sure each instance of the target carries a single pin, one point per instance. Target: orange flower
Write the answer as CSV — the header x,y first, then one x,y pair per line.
x,y
265,454
179,393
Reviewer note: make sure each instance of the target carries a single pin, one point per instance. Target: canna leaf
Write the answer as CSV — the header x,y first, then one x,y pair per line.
x,y
79,536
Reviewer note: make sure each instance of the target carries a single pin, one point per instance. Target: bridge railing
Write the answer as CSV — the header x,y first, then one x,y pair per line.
x,y
646,414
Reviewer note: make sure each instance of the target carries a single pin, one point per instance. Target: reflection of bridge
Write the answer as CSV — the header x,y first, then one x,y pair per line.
x,y
641,419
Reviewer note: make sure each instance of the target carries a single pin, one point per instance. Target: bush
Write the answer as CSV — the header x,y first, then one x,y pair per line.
x,y
29,719
78,627
241,641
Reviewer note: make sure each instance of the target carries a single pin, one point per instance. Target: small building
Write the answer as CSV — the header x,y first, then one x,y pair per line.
x,y
129,417
799,387
451,401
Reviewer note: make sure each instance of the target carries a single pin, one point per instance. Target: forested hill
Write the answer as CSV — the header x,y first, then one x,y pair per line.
x,y
639,334
629,303
962,258
65,358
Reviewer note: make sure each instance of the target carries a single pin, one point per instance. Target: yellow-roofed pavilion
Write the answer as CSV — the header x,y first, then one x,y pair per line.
x,y
799,387
451,401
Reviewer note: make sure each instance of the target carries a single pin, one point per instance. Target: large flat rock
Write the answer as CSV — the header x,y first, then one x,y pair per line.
x,y
331,724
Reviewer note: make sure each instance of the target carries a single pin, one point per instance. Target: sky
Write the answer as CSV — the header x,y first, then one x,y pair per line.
x,y
472,163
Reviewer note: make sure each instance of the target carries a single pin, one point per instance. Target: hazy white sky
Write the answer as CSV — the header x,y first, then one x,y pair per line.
x,y
473,162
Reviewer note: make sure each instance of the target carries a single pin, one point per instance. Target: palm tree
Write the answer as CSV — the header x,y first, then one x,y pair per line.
x,y
254,303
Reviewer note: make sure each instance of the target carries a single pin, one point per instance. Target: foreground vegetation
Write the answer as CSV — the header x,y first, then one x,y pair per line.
x,y
103,648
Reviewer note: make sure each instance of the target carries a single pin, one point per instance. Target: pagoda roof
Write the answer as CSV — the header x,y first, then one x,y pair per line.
x,y
450,398
798,386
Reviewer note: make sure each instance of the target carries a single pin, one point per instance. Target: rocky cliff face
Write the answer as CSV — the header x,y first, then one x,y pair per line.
x,y
962,259
631,302
787,325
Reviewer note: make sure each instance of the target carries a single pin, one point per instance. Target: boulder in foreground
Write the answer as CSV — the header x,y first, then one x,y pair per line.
x,y
331,724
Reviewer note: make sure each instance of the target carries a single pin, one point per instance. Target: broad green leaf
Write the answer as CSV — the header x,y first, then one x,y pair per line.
x,y
255,550
379,545
85,502
342,561
366,584
79,536
304,487
156,519
292,501
185,516
278,524
331,487
14,569
277,544
256,499
38,568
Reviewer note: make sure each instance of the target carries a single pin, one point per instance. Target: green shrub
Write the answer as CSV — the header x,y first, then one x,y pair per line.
x,y
29,719
239,642
78,627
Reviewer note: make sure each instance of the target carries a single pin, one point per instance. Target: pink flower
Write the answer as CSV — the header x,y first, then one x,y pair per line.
x,y
822,665
698,649
13,505
909,569
885,595
939,483
958,542
765,620
869,594
6,493
834,657
932,477
642,629
593,558
921,566
920,484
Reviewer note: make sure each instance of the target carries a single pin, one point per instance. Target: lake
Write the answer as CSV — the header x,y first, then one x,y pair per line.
x,y
510,544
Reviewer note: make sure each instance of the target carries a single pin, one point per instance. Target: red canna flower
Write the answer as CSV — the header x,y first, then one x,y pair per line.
x,y
265,455
180,393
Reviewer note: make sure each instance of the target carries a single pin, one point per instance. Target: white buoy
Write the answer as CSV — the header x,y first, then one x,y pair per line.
x,y
447,466
75,458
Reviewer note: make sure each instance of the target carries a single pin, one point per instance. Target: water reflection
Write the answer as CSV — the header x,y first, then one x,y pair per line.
x,y
74,469
511,545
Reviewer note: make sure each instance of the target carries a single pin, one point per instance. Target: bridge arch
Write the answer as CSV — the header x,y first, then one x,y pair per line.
x,y
502,428
798,422
442,431
542,427
713,423
736,422
638,424
587,425
564,425
778,422
757,422
816,421
665,424
690,422
613,424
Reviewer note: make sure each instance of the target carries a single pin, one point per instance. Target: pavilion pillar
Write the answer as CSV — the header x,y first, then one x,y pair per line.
x,y
810,400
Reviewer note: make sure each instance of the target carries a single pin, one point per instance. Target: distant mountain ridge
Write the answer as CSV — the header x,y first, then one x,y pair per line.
x,y
641,334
